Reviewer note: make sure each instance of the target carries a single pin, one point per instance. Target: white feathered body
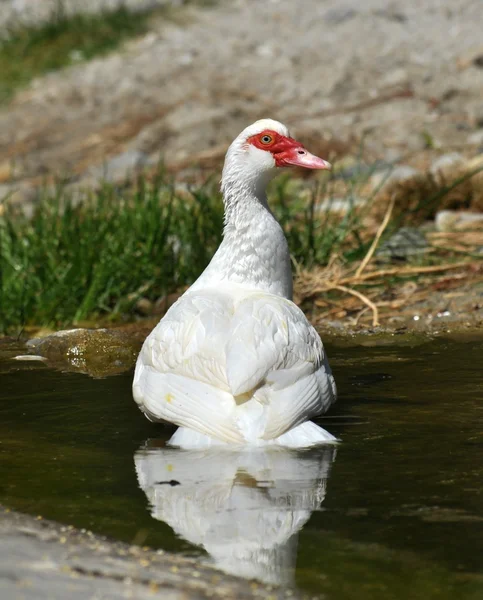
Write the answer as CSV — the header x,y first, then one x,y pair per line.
x,y
234,360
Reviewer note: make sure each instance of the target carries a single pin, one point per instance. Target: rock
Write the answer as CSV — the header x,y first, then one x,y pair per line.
x,y
21,198
399,174
351,167
450,220
392,156
121,167
446,165
395,77
476,138
340,206
404,244
97,352
144,306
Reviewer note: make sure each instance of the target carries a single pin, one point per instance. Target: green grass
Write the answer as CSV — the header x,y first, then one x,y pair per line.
x,y
64,40
75,263
313,235
93,260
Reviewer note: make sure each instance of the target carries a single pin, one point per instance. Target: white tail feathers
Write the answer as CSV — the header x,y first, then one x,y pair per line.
x,y
306,435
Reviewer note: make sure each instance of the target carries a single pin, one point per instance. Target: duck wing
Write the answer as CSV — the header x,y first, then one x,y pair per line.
x,y
273,351
180,373
210,353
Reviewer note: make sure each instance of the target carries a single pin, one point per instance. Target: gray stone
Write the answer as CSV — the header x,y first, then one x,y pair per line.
x,y
97,352
404,244
119,168
476,138
447,162
447,220
340,206
396,77
402,173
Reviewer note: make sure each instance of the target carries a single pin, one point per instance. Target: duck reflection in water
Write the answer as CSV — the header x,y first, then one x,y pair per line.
x,y
245,507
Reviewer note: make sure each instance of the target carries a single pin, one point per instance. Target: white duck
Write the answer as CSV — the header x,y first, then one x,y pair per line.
x,y
234,360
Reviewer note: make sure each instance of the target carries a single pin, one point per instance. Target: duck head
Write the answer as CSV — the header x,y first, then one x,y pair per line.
x,y
264,147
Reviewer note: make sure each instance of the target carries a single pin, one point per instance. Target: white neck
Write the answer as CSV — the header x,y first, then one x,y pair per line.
x,y
254,254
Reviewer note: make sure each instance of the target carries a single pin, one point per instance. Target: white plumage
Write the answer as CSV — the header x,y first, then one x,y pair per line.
x,y
234,360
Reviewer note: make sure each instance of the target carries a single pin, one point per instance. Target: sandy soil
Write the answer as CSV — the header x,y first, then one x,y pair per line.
x,y
399,76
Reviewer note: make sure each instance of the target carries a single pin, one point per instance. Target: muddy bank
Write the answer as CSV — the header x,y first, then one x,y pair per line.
x,y
44,559
105,352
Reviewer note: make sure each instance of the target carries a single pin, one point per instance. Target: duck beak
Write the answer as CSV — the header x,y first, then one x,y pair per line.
x,y
293,154
300,157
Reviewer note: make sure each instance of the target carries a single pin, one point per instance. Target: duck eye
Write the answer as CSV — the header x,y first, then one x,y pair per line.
x,y
266,139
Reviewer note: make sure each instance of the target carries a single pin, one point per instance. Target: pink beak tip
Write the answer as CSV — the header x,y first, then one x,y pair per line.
x,y
310,161
325,164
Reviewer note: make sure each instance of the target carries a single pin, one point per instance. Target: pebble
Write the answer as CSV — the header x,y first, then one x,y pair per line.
x,y
447,163
396,77
144,306
476,138
447,220
405,243
30,357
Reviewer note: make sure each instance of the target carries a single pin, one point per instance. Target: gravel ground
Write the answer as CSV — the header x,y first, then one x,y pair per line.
x,y
45,560
398,75
15,13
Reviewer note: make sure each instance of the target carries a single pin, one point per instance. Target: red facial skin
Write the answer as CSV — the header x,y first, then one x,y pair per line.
x,y
286,151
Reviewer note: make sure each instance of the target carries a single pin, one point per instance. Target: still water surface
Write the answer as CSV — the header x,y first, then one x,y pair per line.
x,y
394,511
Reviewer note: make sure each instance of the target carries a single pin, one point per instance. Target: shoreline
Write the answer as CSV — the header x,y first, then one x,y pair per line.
x,y
43,558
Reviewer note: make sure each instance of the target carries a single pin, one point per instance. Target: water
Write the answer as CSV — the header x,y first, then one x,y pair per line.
x,y
396,511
